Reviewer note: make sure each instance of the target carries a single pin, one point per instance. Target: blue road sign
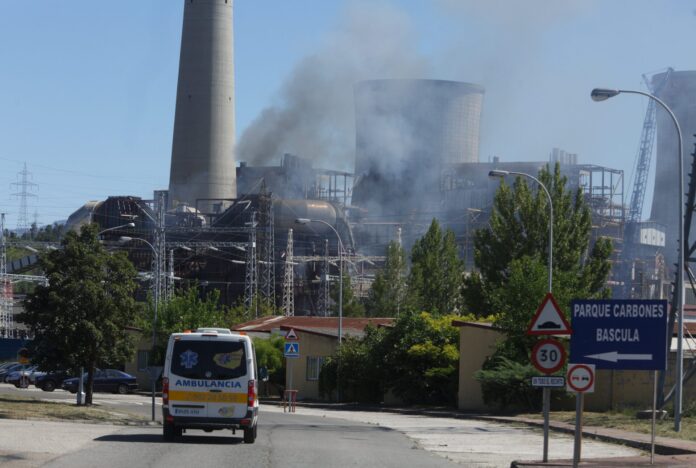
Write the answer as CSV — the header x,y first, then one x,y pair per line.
x,y
619,333
292,349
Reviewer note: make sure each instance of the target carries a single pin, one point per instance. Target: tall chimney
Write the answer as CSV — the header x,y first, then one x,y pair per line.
x,y
203,165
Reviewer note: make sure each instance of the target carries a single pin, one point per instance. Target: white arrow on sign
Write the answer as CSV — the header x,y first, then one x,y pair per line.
x,y
614,356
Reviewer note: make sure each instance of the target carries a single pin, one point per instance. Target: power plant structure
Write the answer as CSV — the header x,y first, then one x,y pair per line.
x,y
233,227
202,168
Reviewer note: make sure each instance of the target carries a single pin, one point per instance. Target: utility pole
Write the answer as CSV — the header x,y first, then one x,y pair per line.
x,y
251,276
24,188
289,279
169,294
5,304
266,248
323,302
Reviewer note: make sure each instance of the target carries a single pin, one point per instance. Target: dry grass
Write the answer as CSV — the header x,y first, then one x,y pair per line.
x,y
20,407
627,421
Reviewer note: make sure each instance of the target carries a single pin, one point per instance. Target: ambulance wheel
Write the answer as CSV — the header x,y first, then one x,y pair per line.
x,y
170,431
250,435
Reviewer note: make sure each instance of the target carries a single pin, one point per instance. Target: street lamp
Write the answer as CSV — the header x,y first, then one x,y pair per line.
x,y
127,225
123,240
340,269
602,94
340,292
546,392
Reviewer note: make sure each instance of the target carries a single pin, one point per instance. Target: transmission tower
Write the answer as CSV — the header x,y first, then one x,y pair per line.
x,y
159,259
24,188
266,248
251,276
323,301
169,294
6,324
289,280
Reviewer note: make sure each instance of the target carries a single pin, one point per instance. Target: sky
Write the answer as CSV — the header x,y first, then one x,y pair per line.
x,y
87,89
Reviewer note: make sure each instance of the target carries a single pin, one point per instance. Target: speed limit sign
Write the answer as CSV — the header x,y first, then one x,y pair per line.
x,y
548,356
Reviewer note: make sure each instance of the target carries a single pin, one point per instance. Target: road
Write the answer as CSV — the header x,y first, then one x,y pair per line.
x,y
310,437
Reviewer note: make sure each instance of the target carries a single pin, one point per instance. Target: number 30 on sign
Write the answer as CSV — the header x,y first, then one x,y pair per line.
x,y
548,356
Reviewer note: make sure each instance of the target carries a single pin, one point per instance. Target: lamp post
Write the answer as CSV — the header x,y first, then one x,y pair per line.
x,y
157,279
602,94
546,392
127,225
340,293
340,268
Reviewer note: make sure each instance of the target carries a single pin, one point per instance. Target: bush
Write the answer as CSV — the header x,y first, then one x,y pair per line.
x,y
507,384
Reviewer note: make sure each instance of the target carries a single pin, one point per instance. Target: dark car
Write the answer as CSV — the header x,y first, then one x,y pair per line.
x,y
108,380
51,380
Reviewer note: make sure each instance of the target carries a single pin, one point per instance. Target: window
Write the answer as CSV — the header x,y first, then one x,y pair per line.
x,y
209,360
142,360
314,364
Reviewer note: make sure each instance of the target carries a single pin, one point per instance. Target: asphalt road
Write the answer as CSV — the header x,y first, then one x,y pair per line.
x,y
284,440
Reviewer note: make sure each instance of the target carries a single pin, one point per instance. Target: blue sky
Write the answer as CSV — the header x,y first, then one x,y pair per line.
x,y
87,88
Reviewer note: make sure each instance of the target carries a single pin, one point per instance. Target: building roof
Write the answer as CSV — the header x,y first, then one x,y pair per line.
x,y
465,323
327,326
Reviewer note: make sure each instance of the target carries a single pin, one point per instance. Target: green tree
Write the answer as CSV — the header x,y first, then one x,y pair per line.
x,y
436,272
79,319
387,295
512,255
421,358
269,355
187,310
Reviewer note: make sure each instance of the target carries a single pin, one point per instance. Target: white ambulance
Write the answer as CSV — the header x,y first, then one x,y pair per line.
x,y
210,382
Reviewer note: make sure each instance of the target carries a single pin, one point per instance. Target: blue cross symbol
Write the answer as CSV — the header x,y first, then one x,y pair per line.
x,y
189,359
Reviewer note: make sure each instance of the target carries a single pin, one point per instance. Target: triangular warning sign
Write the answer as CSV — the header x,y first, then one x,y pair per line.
x,y
291,335
549,319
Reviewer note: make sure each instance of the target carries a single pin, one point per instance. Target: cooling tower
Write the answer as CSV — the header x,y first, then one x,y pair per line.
x,y
407,131
679,93
203,165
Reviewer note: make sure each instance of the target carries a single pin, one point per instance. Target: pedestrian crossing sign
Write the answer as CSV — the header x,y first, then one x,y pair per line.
x,y
292,350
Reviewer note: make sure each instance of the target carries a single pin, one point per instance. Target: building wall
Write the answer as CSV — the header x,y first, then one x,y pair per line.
x,y
311,345
475,345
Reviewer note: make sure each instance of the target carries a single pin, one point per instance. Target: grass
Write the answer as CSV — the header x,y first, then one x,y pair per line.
x,y
21,407
625,420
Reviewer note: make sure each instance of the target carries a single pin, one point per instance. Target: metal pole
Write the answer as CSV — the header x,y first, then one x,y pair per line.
x,y
154,332
546,392
678,396
654,408
577,446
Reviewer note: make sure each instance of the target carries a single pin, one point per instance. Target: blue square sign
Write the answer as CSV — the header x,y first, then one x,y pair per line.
x,y
619,333
292,349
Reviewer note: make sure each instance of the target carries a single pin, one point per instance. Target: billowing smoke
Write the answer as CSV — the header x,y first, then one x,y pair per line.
x,y
314,112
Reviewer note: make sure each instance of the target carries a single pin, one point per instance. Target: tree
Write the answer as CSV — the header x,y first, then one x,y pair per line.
x,y
511,257
80,318
269,355
388,292
436,272
187,310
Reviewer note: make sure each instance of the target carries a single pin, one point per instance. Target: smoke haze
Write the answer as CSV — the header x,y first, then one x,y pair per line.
x,y
313,115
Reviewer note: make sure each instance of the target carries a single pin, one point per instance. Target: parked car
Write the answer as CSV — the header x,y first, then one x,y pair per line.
x,y
49,381
4,373
15,378
108,380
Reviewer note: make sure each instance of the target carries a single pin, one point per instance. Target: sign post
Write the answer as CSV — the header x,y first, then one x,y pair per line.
x,y
620,334
291,351
548,355
581,380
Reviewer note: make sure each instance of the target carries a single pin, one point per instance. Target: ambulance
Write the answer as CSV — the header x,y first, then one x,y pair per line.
x,y
209,382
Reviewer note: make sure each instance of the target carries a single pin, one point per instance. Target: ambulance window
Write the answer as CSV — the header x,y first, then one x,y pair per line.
x,y
209,360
